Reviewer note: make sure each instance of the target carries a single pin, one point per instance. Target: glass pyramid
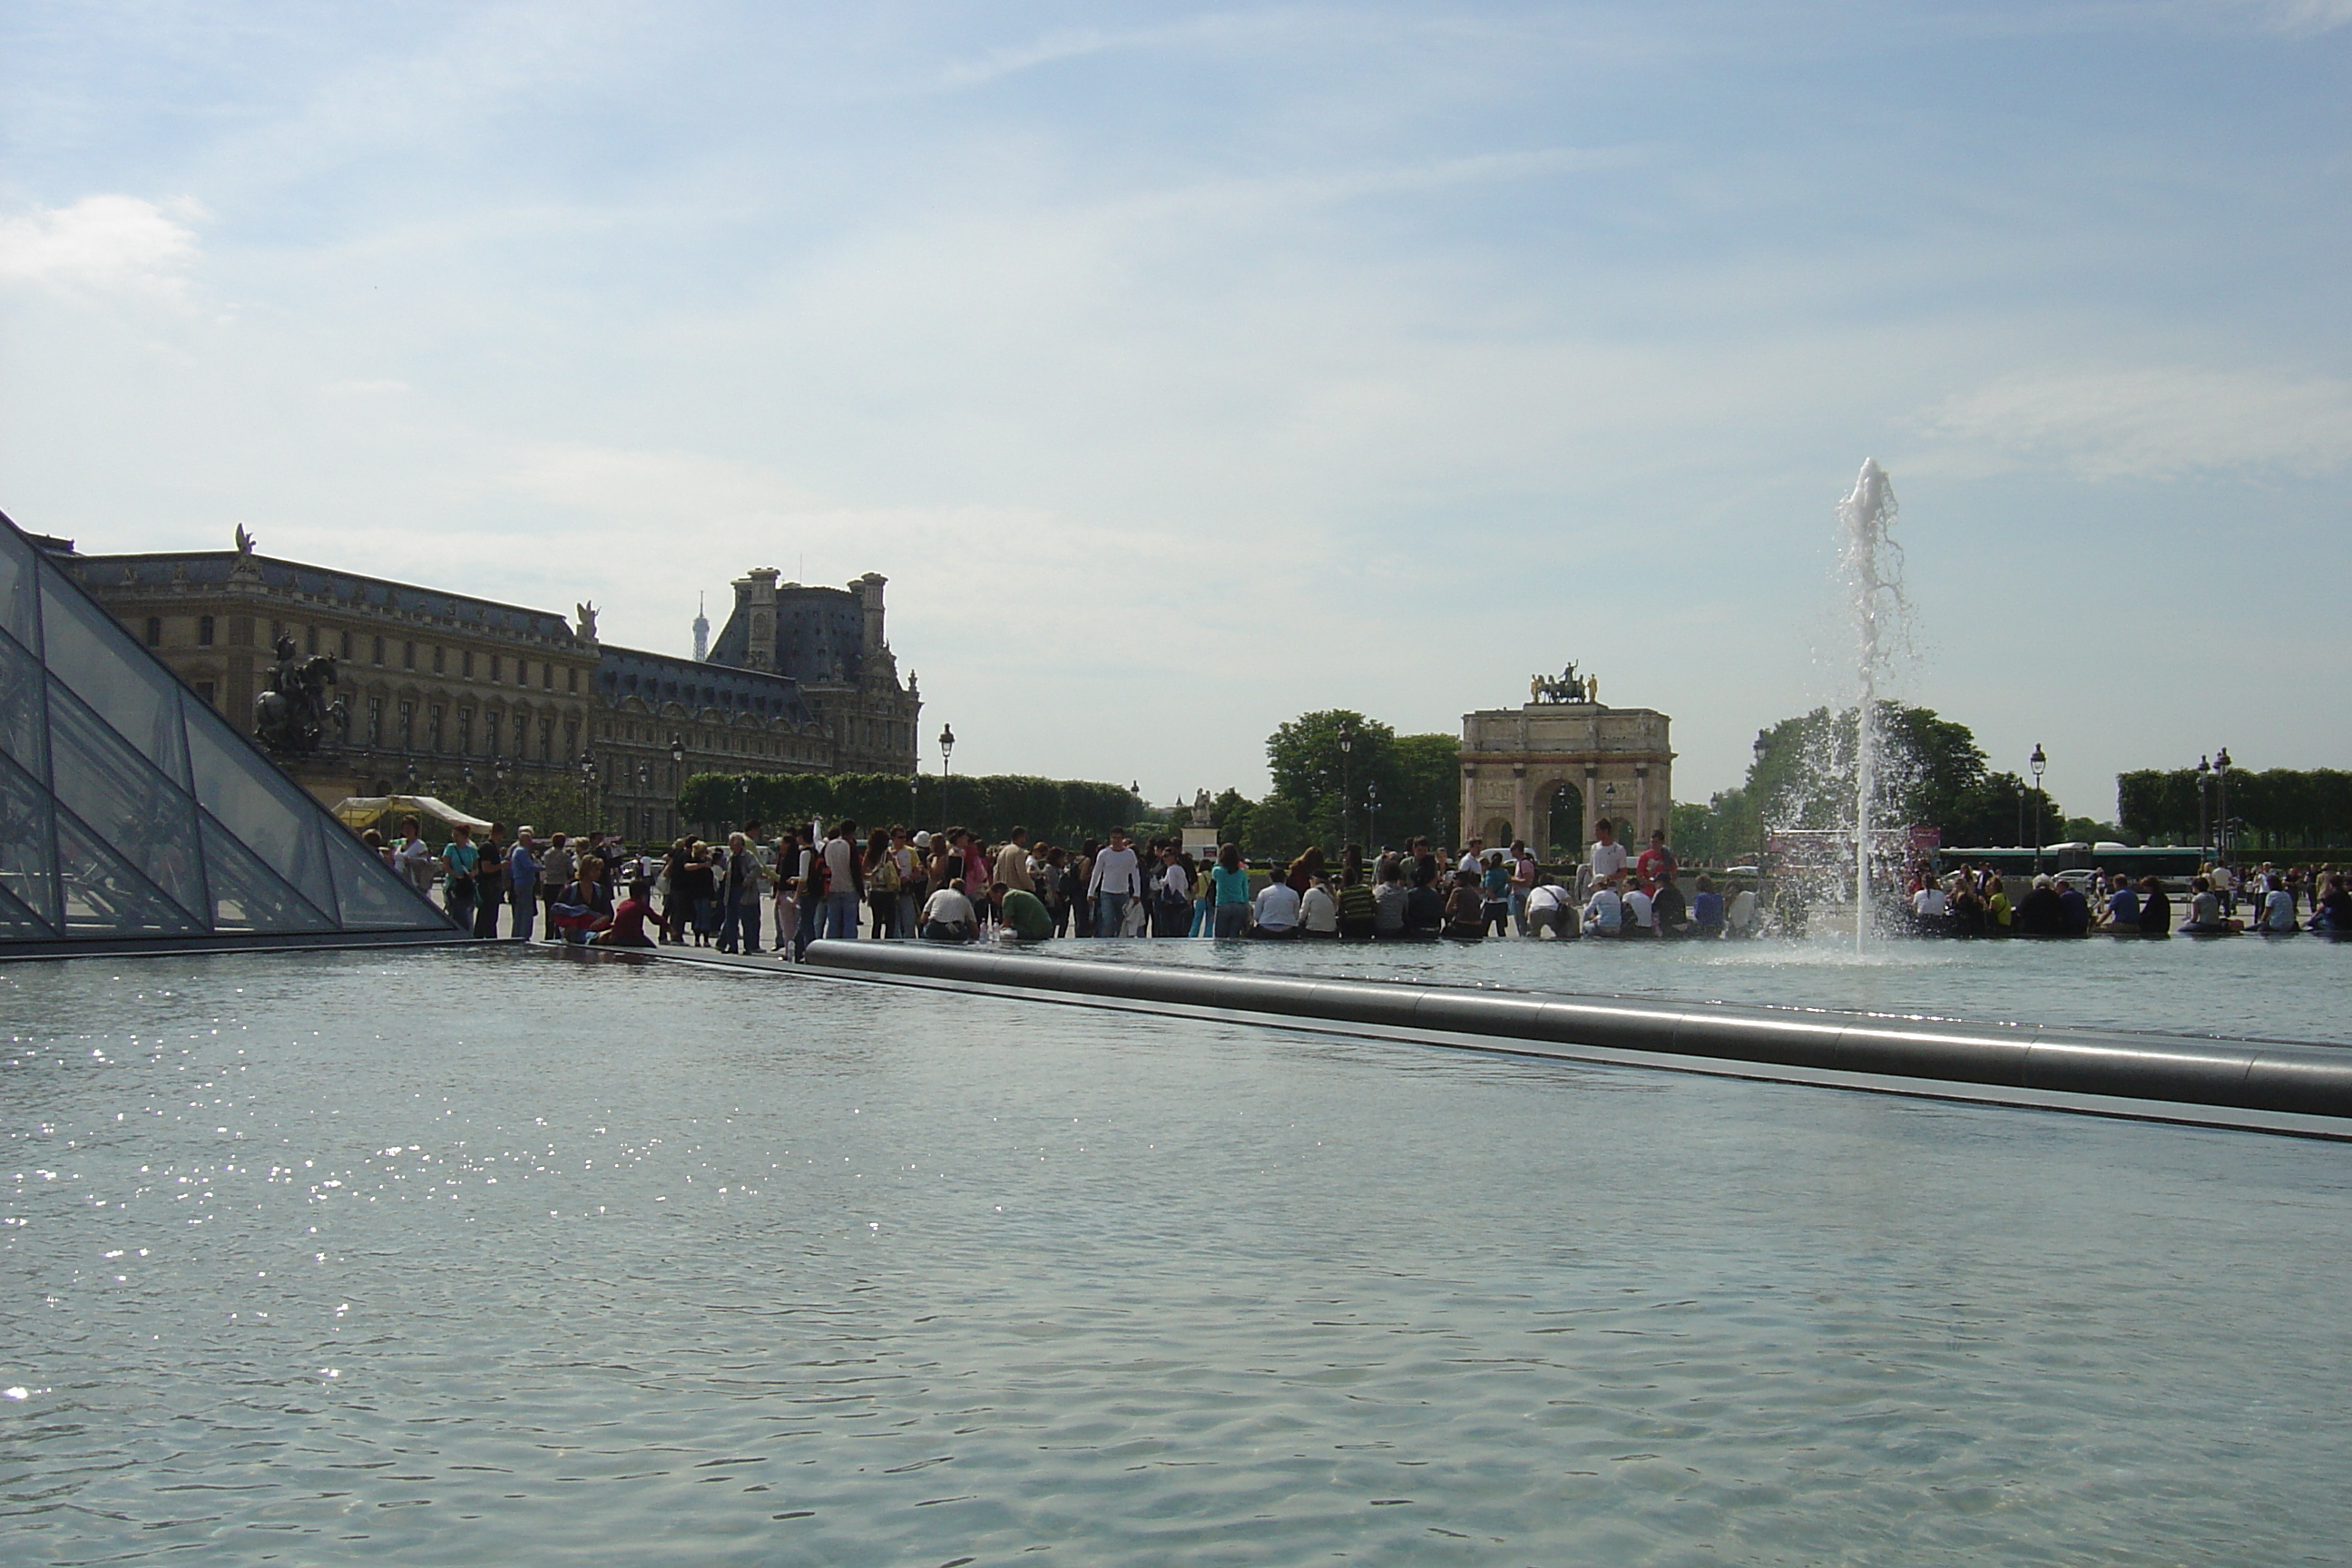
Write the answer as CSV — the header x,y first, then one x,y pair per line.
x,y
132,814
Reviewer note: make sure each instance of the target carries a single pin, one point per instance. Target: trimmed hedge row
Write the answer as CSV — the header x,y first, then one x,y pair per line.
x,y
1059,811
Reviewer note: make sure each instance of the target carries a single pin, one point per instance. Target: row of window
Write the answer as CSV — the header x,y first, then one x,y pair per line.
x,y
499,738
346,647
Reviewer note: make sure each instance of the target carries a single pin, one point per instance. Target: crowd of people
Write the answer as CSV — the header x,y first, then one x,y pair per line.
x,y
1975,902
950,886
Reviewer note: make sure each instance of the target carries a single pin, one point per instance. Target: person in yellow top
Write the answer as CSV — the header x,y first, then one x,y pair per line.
x,y
1997,909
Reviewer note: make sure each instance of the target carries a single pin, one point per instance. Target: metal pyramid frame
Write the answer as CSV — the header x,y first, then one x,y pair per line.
x,y
132,816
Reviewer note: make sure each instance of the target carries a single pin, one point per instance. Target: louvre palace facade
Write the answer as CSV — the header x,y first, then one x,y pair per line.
x,y
449,690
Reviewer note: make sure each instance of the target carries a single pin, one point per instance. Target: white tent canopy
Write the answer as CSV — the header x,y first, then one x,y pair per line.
x,y
363,811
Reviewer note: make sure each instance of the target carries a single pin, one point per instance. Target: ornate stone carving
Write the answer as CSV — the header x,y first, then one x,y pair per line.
x,y
292,716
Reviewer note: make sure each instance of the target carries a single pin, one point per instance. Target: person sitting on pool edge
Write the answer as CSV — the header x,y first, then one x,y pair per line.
x,y
1466,911
1024,912
948,915
628,927
1277,915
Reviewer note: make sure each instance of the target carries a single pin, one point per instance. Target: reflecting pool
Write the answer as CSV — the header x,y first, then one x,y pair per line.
x,y
2245,987
466,1257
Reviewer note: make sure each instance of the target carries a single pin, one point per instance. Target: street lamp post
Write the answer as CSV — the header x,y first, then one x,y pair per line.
x,y
1346,744
676,768
2204,816
947,754
2222,806
588,793
1372,814
2041,802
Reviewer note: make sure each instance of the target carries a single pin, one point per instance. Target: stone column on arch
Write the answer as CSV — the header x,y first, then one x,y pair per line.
x,y
1465,825
1522,823
1591,805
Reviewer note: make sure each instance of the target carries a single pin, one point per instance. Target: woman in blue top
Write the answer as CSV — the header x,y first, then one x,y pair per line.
x,y
1230,879
1707,909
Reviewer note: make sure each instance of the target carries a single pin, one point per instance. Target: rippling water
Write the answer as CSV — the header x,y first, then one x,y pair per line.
x,y
483,1258
2295,988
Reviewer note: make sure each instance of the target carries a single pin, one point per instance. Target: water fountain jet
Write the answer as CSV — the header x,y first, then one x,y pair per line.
x,y
1871,564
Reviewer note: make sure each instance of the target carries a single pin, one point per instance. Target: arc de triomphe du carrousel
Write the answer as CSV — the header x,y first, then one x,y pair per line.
x,y
1564,759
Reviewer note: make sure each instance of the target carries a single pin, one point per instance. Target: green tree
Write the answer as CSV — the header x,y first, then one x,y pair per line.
x,y
1275,831
1426,797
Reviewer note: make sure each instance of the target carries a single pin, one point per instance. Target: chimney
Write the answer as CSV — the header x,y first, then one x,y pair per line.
x,y
755,600
868,590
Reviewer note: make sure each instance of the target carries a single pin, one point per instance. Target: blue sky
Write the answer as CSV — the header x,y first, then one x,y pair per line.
x,y
1188,368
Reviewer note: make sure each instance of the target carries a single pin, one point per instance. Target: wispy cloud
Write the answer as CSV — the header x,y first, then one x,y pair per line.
x,y
2156,422
102,243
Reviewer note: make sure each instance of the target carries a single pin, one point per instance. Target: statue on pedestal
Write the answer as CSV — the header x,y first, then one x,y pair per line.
x,y
291,715
1562,687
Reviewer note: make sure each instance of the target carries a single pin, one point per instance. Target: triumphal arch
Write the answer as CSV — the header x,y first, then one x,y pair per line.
x,y
1564,754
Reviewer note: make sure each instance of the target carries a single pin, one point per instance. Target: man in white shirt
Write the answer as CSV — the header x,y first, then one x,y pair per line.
x,y
1640,917
1277,910
1473,859
948,916
1608,857
1550,907
1117,879
1930,904
1606,913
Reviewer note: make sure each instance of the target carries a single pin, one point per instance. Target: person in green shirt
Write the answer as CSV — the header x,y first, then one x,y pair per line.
x,y
459,858
1024,913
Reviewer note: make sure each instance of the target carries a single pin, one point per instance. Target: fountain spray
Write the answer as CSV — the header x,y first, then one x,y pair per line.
x,y
1872,566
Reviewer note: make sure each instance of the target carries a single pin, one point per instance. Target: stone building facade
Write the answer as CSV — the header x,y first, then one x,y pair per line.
x,y
1522,765
460,693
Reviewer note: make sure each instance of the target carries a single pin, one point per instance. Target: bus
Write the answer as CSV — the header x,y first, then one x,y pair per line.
x,y
2171,862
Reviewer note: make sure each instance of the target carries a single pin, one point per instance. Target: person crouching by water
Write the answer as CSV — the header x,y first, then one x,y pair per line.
x,y
1024,914
1277,911
1466,911
948,915
2155,908
1551,907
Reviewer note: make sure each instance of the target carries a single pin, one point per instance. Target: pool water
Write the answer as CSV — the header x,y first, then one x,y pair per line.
x,y
450,1257
2246,987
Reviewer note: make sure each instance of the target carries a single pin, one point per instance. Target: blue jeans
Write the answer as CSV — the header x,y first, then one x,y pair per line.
x,y
841,917
1232,919
526,909
739,926
1110,913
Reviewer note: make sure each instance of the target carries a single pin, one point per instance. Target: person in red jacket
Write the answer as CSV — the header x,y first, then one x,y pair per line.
x,y
1658,864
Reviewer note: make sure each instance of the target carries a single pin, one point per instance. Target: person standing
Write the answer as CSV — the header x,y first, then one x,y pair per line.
x,y
1523,882
1117,880
459,857
1172,894
1657,865
845,883
1607,856
522,882
741,883
489,885
1229,879
555,870
1013,863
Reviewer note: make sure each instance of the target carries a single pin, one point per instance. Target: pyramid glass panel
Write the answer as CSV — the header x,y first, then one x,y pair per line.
x,y
267,812
19,600
123,682
121,797
248,895
371,894
24,727
28,865
105,896
129,809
